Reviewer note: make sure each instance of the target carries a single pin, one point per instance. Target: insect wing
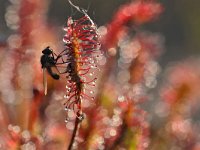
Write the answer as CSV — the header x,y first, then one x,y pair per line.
x,y
45,81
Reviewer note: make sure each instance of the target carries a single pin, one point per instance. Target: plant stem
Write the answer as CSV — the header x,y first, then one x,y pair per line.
x,y
77,121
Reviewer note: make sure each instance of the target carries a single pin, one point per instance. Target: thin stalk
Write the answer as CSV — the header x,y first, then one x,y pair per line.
x,y
77,121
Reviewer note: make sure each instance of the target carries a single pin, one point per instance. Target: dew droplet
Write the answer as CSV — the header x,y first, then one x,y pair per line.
x,y
81,117
91,92
93,83
94,66
67,109
66,41
67,120
92,62
68,89
65,28
66,96
81,97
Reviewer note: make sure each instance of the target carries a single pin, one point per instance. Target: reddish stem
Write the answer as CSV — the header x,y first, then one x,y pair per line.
x,y
77,121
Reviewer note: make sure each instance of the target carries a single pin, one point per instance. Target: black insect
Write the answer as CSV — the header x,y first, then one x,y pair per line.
x,y
48,60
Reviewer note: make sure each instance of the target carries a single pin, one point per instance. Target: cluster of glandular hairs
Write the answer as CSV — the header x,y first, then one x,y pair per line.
x,y
81,48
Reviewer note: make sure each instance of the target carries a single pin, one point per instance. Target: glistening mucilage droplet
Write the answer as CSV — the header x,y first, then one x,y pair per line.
x,y
81,117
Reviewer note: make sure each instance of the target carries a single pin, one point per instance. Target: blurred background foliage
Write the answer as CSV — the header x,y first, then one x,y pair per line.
x,y
179,27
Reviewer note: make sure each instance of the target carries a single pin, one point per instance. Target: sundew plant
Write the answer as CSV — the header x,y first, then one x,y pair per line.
x,y
85,86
